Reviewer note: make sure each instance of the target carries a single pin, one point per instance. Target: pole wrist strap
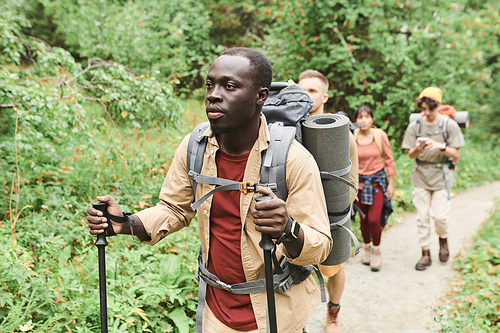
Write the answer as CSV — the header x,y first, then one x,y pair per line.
x,y
120,219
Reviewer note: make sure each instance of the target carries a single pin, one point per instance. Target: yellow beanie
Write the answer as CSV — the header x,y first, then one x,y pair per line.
x,y
432,92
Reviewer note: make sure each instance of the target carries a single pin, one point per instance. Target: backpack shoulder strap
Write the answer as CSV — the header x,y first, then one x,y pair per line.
x,y
419,127
377,136
356,134
443,126
196,150
273,166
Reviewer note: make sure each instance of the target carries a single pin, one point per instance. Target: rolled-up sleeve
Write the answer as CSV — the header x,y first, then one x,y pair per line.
x,y
173,211
306,204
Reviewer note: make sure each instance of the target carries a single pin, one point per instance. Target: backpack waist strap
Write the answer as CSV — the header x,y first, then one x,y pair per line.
x,y
291,275
437,165
446,169
282,282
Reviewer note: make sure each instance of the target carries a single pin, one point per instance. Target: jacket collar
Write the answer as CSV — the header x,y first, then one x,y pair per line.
x,y
262,142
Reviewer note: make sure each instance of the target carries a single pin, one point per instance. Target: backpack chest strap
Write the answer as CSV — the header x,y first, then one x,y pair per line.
x,y
223,185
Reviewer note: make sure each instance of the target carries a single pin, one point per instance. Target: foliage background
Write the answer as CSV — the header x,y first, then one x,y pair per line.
x,y
95,96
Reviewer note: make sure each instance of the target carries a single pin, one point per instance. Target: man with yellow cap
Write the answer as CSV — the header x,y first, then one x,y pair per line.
x,y
432,145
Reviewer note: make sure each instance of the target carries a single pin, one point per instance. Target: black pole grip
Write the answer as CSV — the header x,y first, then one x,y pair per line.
x,y
101,238
101,244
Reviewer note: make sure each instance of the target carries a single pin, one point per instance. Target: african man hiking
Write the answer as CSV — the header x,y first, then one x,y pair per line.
x,y
231,222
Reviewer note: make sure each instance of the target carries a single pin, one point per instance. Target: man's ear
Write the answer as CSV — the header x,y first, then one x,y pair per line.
x,y
262,95
325,98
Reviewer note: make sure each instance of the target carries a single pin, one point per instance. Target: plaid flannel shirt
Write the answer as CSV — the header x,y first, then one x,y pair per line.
x,y
368,191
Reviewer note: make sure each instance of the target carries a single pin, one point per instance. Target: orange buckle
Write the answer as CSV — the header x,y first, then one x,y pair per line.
x,y
247,187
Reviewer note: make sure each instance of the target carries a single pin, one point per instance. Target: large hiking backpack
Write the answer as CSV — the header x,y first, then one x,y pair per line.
x,y
461,117
286,108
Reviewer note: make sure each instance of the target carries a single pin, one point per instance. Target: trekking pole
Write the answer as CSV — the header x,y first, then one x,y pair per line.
x,y
101,243
267,245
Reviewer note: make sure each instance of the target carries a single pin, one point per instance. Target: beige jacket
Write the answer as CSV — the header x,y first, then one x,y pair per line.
x,y
306,204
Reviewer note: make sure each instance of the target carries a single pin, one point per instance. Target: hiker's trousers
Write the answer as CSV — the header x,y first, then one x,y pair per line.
x,y
370,226
433,204
212,325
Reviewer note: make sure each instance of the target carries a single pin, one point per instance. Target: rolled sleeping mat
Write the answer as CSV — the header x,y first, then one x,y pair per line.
x,y
461,117
326,136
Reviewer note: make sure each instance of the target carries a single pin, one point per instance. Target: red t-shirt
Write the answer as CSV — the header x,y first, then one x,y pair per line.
x,y
224,258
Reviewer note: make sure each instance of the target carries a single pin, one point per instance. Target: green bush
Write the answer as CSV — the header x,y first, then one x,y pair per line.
x,y
59,149
379,53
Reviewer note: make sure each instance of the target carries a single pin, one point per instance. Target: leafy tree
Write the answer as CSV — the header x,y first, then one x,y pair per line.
x,y
11,43
383,53
239,23
380,53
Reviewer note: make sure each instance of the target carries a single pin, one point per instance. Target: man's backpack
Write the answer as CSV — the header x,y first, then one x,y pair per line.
x,y
461,117
443,128
286,109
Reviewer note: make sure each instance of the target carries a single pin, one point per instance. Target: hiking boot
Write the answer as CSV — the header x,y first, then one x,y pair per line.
x,y
365,259
444,253
332,325
425,261
376,258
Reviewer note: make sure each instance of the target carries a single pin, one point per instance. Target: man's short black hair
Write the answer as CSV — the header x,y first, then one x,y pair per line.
x,y
264,70
431,103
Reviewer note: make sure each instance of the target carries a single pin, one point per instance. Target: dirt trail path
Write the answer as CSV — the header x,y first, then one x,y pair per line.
x,y
398,298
